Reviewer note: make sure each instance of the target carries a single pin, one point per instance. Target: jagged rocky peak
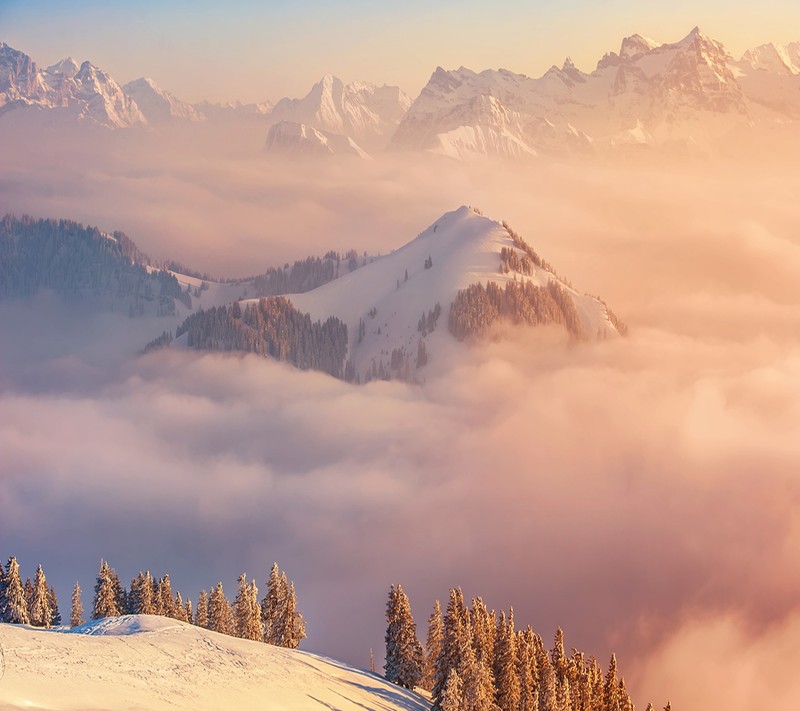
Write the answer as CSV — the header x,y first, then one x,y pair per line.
x,y
636,46
774,58
67,67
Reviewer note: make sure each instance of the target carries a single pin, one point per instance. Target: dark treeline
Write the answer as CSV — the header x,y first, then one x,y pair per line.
x,y
306,274
477,307
274,619
78,262
270,327
476,660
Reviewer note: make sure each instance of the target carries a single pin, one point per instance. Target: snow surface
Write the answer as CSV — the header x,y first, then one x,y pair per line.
x,y
149,662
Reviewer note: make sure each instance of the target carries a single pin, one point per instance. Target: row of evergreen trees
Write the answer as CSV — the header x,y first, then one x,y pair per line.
x,y
477,307
33,603
270,327
475,660
78,262
274,619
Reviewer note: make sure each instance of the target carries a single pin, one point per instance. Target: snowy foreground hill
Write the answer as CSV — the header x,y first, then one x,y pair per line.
x,y
149,662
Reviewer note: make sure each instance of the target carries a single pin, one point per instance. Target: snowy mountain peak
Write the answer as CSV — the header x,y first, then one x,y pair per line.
x,y
397,308
366,113
635,46
67,67
774,58
158,105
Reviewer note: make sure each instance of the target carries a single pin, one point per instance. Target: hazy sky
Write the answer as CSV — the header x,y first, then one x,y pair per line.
x,y
261,49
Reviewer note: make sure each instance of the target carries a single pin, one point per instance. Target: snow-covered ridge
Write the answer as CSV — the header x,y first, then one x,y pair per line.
x,y
142,661
288,138
383,302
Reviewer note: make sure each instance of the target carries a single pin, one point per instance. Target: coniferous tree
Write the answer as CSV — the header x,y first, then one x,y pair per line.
x,y
611,691
561,672
55,619
433,646
404,656
219,611
246,613
188,612
28,591
453,693
505,664
484,632
76,616
40,611
526,672
294,625
201,613
166,600
625,703
106,593
546,679
179,611
13,605
456,644
142,601
273,601
479,691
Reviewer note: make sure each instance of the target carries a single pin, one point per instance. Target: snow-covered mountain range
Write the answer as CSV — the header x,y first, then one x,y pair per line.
x,y
647,93
687,92
144,661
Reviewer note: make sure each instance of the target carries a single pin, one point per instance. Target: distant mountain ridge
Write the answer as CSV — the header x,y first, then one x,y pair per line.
x,y
685,93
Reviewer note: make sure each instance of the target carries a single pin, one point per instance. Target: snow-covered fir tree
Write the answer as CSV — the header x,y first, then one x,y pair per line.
x,y
433,646
179,608
141,594
404,655
13,605
165,597
106,593
219,611
456,644
283,623
201,613
76,615
40,611
484,631
246,612
526,671
611,692
505,664
274,599
453,693
55,613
